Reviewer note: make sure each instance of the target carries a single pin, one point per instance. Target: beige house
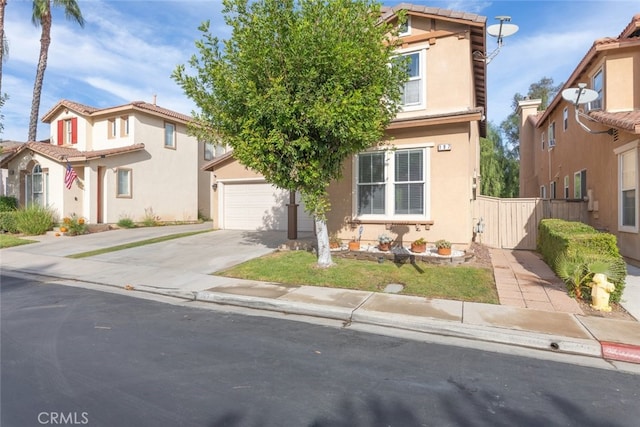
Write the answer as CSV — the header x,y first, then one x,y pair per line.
x,y
131,161
597,163
422,183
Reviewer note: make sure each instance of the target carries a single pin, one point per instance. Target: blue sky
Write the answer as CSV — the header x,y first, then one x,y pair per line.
x,y
128,50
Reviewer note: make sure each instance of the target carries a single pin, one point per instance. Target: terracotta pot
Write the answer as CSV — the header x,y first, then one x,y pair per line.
x,y
354,246
444,251
418,248
384,246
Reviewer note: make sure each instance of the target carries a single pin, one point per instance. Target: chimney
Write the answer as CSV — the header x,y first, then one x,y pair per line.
x,y
154,98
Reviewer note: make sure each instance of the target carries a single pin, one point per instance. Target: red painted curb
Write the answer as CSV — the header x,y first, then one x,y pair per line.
x,y
621,352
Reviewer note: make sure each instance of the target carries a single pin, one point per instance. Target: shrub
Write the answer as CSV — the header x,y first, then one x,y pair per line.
x,y
8,222
126,222
74,225
150,219
576,251
34,220
8,204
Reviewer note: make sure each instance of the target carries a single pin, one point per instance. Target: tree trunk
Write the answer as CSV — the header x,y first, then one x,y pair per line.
x,y
324,254
45,41
3,3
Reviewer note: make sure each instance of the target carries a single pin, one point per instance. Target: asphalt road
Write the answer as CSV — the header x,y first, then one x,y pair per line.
x,y
86,357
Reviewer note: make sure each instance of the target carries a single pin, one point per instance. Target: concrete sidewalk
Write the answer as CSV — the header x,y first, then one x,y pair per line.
x,y
179,268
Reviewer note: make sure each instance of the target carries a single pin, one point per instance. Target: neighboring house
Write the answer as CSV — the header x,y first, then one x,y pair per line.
x,y
420,185
559,159
131,161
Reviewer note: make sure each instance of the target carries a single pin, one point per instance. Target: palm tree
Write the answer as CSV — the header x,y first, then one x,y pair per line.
x,y
3,42
42,17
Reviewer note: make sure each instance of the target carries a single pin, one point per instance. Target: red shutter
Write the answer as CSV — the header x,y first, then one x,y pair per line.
x,y
74,130
60,131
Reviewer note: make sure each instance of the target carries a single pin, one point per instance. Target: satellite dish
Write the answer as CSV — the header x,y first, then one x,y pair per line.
x,y
579,95
502,30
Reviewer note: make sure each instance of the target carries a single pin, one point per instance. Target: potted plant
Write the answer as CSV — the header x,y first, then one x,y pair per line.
x,y
335,242
384,242
419,245
354,245
443,246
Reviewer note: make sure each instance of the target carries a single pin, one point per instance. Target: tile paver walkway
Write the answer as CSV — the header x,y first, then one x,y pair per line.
x,y
524,280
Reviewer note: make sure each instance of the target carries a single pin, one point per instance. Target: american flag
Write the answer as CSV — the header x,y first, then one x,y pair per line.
x,y
69,176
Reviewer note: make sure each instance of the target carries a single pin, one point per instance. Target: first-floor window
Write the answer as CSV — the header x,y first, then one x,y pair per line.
x,y
35,183
392,183
123,183
552,190
580,184
566,187
543,192
628,178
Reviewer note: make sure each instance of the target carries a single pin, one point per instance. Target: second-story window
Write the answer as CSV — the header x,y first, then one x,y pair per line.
x,y
597,84
565,118
124,126
412,89
112,128
552,134
67,131
169,135
209,150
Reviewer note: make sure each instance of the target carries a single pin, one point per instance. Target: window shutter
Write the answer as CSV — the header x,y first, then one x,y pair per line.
x,y
74,130
60,131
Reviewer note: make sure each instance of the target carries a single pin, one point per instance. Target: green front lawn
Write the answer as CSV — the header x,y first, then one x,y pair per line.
x,y
9,240
299,268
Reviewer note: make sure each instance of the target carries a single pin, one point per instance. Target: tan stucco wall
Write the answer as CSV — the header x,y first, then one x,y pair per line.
x,y
449,179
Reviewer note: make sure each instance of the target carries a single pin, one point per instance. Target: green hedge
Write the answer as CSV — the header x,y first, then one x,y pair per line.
x,y
559,239
8,222
8,203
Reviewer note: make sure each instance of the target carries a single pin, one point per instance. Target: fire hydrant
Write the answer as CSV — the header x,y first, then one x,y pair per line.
x,y
601,290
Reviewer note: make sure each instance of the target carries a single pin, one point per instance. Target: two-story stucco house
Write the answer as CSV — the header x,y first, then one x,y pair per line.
x,y
131,161
422,183
599,163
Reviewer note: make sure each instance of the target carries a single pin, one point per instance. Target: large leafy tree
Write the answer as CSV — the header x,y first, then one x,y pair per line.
x,y
299,87
499,151
41,16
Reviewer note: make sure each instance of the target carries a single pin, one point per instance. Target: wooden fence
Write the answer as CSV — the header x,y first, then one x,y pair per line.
x,y
513,223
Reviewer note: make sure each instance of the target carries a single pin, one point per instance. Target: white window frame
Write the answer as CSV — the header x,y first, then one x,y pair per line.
x,y
421,78
124,126
407,32
171,144
566,186
112,127
129,175
552,190
577,184
209,150
631,150
565,118
68,131
543,192
389,183
598,77
542,140
552,134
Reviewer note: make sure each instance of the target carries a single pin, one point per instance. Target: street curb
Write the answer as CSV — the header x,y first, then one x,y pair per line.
x,y
553,343
540,341
283,306
620,352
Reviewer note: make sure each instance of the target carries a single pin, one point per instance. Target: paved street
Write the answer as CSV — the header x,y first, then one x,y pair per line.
x,y
112,360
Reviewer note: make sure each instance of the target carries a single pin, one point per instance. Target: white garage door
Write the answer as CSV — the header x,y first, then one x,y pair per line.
x,y
259,206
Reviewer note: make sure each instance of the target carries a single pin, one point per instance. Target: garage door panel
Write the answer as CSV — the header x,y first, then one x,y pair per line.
x,y
259,206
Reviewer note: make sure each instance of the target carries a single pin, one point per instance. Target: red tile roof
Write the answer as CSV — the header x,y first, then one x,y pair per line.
x,y
63,153
627,120
135,105
387,12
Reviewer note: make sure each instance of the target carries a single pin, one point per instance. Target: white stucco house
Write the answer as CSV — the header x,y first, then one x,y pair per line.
x,y
131,160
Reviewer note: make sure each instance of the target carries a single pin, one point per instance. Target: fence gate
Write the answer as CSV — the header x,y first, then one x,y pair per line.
x,y
513,223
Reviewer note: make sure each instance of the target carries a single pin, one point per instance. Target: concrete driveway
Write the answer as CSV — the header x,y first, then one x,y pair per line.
x,y
201,253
